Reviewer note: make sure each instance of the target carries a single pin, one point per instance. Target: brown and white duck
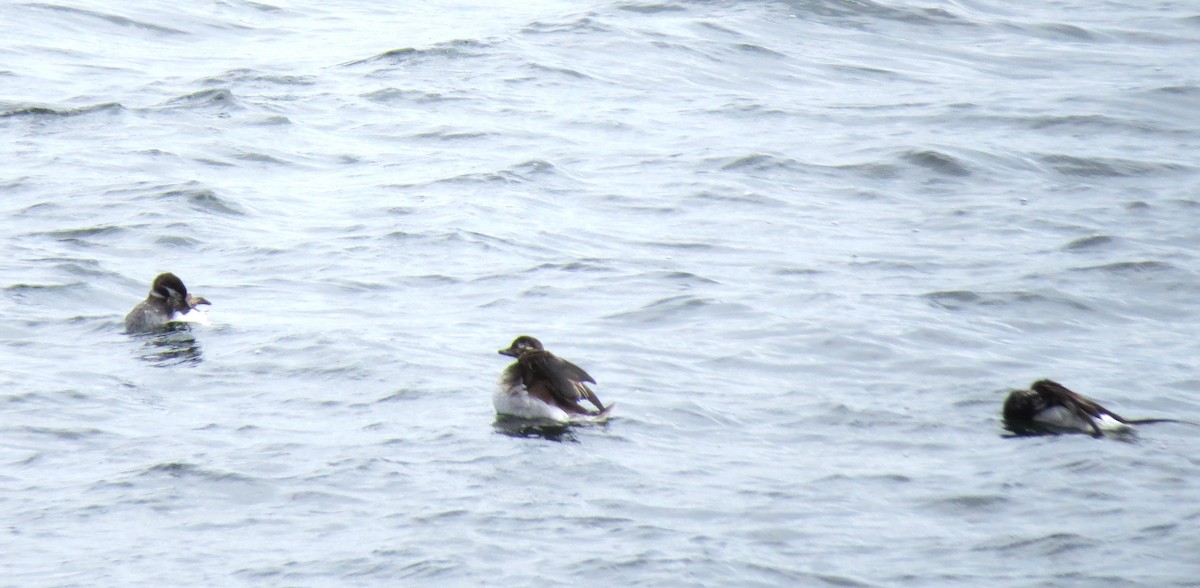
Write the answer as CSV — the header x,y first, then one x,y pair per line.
x,y
1047,402
168,302
540,385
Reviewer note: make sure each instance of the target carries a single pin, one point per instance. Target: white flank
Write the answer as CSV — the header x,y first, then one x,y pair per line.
x,y
195,315
514,401
1061,416
1107,423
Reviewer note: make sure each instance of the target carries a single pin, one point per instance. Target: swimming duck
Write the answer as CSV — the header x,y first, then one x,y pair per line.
x,y
540,385
1050,403
168,302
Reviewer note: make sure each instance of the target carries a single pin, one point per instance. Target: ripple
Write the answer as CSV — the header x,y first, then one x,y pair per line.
x,y
110,18
449,135
390,95
1061,31
871,171
200,482
179,241
458,49
170,347
64,434
760,161
864,12
1107,167
244,75
1048,545
81,233
675,308
578,266
521,173
938,162
22,288
566,71
585,24
1082,121
650,7
758,50
981,503
962,299
1086,243
1187,91
260,158
216,97
1128,267
741,197
527,429
202,199
865,72
37,111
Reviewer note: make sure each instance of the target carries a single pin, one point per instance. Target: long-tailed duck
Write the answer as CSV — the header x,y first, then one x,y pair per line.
x,y
168,302
540,385
1050,403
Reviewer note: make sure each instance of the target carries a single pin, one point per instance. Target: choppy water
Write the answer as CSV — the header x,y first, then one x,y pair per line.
x,y
806,247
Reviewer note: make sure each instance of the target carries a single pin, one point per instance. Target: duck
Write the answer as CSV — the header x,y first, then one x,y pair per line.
x,y
168,302
542,386
1049,403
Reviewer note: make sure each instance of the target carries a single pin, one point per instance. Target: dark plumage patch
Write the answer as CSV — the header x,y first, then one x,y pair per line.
x,y
1023,406
551,379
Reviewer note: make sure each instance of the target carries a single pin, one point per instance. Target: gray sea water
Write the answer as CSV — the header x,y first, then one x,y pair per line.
x,y
807,247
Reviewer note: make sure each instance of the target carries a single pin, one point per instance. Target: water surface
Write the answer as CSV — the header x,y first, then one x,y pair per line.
x,y
807,247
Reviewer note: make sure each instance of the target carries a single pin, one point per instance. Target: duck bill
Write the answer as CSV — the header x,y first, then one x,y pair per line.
x,y
509,352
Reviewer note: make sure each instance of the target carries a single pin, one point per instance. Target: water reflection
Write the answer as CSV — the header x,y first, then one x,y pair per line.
x,y
534,428
1017,428
170,347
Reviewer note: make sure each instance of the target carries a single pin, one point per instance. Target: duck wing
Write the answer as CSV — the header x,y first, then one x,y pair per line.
x,y
560,378
1055,394
573,371
578,377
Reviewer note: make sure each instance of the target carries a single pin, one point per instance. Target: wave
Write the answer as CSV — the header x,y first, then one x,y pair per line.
x,y
584,24
650,7
521,173
963,299
247,75
1087,243
681,307
389,95
457,49
1109,167
1125,267
41,111
203,199
217,97
863,12
109,18
937,161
